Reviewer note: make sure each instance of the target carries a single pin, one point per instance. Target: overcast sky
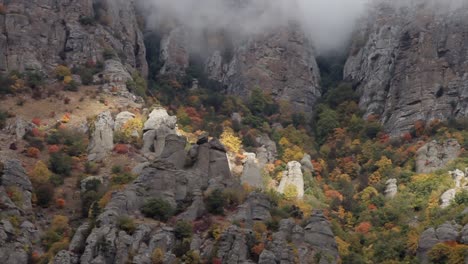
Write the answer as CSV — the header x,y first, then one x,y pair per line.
x,y
328,23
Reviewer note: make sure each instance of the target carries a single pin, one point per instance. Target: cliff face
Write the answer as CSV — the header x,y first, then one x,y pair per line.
x,y
40,34
280,62
410,64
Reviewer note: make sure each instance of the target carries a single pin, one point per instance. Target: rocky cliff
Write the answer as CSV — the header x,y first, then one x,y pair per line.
x,y
279,61
39,35
409,63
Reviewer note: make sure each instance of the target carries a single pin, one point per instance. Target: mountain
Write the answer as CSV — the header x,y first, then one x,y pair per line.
x,y
409,65
128,141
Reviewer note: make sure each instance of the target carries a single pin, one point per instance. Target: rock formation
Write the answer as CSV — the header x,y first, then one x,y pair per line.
x,y
43,34
408,64
15,238
449,231
436,155
156,128
292,179
102,136
252,172
278,61
391,189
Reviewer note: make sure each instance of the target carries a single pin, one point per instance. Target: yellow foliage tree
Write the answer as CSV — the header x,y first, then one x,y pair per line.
x,y
40,174
62,71
232,143
157,257
290,192
293,153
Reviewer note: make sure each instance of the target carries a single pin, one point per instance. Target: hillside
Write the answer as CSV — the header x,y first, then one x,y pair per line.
x,y
126,142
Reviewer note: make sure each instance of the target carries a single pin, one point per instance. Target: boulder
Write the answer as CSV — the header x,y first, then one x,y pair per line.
x,y
457,176
434,155
102,137
447,197
160,119
292,178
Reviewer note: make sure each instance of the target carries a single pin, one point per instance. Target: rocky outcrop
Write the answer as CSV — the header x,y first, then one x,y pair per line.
x,y
279,61
43,34
256,208
292,180
391,188
315,239
102,137
14,176
252,173
449,231
16,237
409,63
436,155
156,128
167,178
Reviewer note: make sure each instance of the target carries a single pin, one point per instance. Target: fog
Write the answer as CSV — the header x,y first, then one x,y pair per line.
x,y
328,23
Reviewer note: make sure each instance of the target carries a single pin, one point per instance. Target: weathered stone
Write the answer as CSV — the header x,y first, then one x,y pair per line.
x,y
255,208
121,119
447,197
306,163
433,155
14,175
409,64
252,174
102,137
391,189
292,178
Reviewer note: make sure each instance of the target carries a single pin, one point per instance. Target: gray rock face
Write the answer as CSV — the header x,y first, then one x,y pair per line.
x,y
435,155
409,64
102,137
448,231
158,126
267,152
43,34
252,174
14,175
256,208
175,52
316,237
166,178
233,245
306,163
292,178
15,240
280,62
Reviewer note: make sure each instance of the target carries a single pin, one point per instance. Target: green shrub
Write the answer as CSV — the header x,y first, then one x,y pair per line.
x,y
122,178
461,197
183,229
60,163
137,85
158,209
126,224
109,54
215,202
87,21
44,194
3,118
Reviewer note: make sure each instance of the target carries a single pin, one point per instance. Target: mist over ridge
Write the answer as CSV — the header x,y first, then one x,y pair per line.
x,y
328,23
